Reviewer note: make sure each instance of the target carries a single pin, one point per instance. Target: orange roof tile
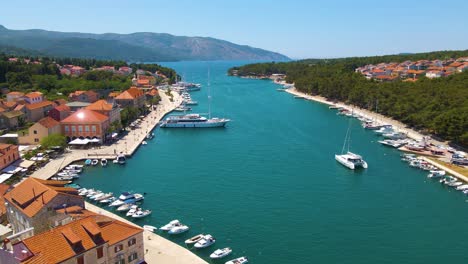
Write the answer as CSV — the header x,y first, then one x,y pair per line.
x,y
33,94
85,116
61,101
63,108
15,93
130,94
19,107
48,122
117,231
3,190
153,92
10,104
114,94
39,105
32,195
100,105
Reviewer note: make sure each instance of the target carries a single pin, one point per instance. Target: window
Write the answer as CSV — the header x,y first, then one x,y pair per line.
x,y
118,248
35,131
35,140
100,252
80,260
132,257
132,242
122,261
73,129
80,128
67,129
94,128
87,128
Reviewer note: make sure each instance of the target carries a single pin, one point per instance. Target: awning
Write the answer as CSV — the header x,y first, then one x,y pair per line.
x,y
114,135
94,140
79,142
12,169
23,163
5,176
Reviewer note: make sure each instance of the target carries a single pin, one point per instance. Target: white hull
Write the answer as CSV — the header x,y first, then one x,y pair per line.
x,y
206,124
348,164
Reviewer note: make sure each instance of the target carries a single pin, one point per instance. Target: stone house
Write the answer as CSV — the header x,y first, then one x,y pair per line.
x,y
8,154
12,119
41,129
83,96
37,111
60,112
131,97
109,109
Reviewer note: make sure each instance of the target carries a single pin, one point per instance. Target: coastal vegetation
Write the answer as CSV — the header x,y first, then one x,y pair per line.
x,y
46,77
54,140
436,106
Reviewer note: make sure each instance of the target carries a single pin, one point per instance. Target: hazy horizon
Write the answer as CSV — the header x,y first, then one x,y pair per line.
x,y
299,29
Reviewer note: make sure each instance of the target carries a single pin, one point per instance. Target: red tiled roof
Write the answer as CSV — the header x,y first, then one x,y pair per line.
x,y
63,108
130,94
15,93
85,116
61,101
38,105
33,94
19,107
10,104
48,122
100,105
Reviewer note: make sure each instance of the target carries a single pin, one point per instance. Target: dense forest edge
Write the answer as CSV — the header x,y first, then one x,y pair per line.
x,y
436,106
45,76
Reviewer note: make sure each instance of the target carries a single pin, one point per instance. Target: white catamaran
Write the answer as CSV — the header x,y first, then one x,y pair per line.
x,y
349,159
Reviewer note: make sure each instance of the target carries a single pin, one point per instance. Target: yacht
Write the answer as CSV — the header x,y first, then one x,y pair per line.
x,y
385,129
436,174
182,109
72,171
193,121
371,126
108,200
179,229
74,167
68,175
170,225
190,102
104,196
241,260
221,253
141,213
133,209
126,198
206,241
150,228
194,239
393,143
394,135
104,162
349,159
125,207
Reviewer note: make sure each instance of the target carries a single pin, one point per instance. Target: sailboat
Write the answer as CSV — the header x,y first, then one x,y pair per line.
x,y
195,120
350,159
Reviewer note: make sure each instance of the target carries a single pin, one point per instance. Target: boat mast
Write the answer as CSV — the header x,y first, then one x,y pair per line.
x,y
209,95
347,138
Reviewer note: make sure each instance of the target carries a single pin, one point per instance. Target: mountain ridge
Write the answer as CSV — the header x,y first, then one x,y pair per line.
x,y
137,46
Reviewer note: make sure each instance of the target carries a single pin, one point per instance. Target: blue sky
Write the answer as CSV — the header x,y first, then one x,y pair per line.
x,y
297,28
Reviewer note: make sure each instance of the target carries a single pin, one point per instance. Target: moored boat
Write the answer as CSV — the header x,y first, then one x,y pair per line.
x,y
193,121
178,229
194,239
103,162
241,260
170,225
206,241
94,162
125,207
221,253
141,213
150,228
133,209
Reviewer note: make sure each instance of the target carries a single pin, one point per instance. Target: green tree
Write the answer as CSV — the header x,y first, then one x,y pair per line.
x,y
54,140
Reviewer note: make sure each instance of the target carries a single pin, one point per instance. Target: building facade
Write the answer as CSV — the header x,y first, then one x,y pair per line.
x,y
8,154
85,123
41,129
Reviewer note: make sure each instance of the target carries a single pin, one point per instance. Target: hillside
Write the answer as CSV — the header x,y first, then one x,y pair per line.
x,y
131,47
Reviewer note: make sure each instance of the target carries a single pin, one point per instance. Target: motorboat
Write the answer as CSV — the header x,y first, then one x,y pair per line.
x,y
190,102
194,239
133,209
351,160
74,167
144,143
141,213
121,159
221,253
97,195
108,200
241,260
436,174
462,187
88,162
62,178
91,194
94,162
385,129
150,228
70,171
182,108
103,196
74,186
170,225
126,198
84,191
125,207
206,241
103,162
65,174
193,121
150,136
179,229
455,184
372,126
394,135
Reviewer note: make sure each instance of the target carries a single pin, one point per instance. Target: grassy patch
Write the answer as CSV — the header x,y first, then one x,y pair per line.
x,y
456,168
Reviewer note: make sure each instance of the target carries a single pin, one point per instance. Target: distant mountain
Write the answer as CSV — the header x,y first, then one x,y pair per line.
x,y
143,46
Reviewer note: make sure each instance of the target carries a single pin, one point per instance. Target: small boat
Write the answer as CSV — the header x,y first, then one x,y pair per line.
x,y
97,195
103,196
462,187
66,174
72,171
74,186
194,239
121,159
221,253
436,174
91,194
94,162
150,136
394,135
241,260
349,159
108,200
141,213
150,228
62,178
103,162
385,129
133,209
170,225
125,207
74,167
455,184
333,107
84,191
206,241
182,109
178,229
144,143
392,143
88,162
190,102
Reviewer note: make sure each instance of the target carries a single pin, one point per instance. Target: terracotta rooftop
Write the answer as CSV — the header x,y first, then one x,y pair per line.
x,y
85,116
130,94
19,107
77,93
63,108
48,122
61,101
153,92
33,94
114,94
15,93
32,195
10,104
39,105
12,114
65,242
100,105
3,190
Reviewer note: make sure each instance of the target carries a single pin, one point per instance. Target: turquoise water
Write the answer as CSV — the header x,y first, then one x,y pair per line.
x,y
269,187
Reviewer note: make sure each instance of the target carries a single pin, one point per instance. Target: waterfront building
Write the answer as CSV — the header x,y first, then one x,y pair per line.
x,y
31,206
85,123
93,239
109,109
131,97
42,128
83,96
36,111
60,112
8,154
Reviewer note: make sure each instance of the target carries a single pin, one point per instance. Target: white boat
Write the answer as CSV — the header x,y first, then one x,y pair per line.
x,y
133,209
75,167
84,191
394,135
436,174
97,195
194,239
103,162
150,228
121,159
193,121
221,253
94,162
190,102
150,136
182,109
75,170
462,187
144,143
90,194
141,213
179,229
455,184
125,207
385,129
108,200
349,159
62,178
206,241
66,175
104,196
392,143
170,225
241,260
